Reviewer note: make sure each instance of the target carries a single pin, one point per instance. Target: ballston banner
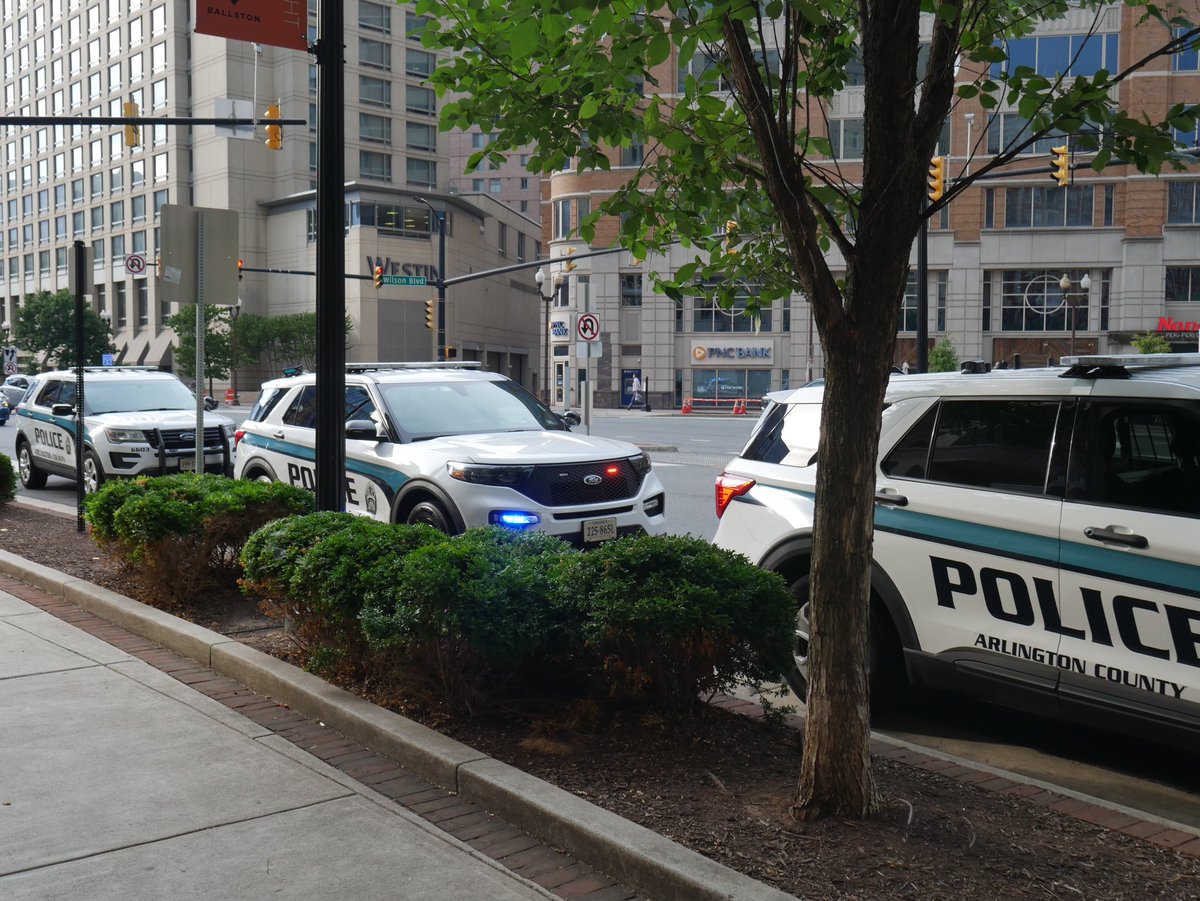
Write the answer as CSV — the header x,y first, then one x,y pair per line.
x,y
280,23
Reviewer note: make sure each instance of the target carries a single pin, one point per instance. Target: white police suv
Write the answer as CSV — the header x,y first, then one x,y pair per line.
x,y
137,421
453,447
1037,535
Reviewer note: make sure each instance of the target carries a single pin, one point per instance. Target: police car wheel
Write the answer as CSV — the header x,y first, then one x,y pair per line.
x,y
31,476
884,656
430,513
93,473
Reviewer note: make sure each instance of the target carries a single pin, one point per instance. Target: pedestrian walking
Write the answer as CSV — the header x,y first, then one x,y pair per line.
x,y
635,393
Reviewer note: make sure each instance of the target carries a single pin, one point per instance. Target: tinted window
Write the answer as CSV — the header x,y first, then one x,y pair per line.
x,y
303,410
266,402
766,444
49,394
1138,455
422,410
358,403
909,458
1003,444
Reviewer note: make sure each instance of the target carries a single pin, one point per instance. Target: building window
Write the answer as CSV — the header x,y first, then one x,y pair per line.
x,y
1187,60
846,139
421,172
502,239
419,100
374,17
631,289
708,317
520,247
1032,301
1182,208
143,301
420,136
374,91
908,310
375,54
1010,128
495,186
1048,207
418,63
633,154
375,165
1183,284
377,129
414,26
1070,55
562,218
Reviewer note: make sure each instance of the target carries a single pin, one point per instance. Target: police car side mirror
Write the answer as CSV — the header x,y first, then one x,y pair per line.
x,y
364,430
62,410
570,419
210,403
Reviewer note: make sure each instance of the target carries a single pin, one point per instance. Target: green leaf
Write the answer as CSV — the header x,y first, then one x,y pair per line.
x,y
589,108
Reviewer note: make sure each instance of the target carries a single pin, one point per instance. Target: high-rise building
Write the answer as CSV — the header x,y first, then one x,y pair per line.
x,y
1127,244
60,183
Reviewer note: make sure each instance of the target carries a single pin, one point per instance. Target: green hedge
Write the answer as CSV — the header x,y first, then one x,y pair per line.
x,y
8,479
183,534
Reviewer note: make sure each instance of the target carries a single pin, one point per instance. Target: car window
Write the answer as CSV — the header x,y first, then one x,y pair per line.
x,y
789,435
909,459
136,395
358,403
998,444
422,410
302,411
268,399
1138,454
49,394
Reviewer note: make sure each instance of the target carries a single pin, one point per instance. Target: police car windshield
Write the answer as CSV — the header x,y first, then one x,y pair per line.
x,y
423,410
132,396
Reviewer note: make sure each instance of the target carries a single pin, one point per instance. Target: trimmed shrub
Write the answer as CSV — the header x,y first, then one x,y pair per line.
x,y
673,618
316,570
183,534
8,479
471,613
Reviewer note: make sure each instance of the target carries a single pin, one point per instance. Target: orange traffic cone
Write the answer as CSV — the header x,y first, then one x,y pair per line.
x,y
687,405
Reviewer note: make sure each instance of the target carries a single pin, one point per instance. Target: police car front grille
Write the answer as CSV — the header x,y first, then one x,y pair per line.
x,y
567,485
182,439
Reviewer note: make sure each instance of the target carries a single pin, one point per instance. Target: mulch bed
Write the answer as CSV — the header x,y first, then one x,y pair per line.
x,y
721,784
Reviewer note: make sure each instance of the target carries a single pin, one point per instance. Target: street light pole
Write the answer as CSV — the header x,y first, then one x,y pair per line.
x,y
439,216
1072,298
540,278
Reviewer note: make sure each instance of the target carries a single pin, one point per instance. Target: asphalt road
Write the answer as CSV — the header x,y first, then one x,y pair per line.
x,y
690,451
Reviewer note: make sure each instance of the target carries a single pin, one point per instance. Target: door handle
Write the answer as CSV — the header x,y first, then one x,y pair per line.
x,y
889,497
1111,535
278,434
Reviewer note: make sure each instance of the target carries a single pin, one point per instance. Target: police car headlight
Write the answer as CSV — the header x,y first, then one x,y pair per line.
x,y
481,474
124,436
640,464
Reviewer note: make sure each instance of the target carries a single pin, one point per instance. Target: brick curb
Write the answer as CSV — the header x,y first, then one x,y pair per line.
x,y
399,758
1076,805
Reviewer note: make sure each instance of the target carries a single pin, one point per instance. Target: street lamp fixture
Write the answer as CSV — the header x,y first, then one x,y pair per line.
x,y
1072,298
6,327
234,312
105,317
540,278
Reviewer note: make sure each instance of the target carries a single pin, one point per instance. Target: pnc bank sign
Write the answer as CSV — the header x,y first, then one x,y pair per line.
x,y
733,351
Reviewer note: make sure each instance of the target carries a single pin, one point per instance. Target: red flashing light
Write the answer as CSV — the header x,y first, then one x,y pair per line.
x,y
612,471
729,487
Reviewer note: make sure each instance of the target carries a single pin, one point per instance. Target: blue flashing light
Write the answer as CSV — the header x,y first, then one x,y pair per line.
x,y
513,519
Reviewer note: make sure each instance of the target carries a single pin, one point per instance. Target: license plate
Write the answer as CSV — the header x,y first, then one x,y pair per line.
x,y
187,464
599,529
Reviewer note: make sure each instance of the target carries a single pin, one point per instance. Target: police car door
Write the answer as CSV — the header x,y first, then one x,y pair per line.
x,y
371,481
967,532
293,447
53,437
1130,587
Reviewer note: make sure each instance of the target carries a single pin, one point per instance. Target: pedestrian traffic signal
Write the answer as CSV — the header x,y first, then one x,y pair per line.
x,y
429,314
274,131
133,135
937,178
378,276
1060,164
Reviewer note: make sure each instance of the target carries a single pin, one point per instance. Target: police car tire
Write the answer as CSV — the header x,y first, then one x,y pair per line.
x,y
92,463
884,656
31,476
430,513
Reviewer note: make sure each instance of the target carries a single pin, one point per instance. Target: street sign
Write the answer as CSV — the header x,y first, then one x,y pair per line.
x,y
89,263
587,327
235,109
279,23
10,361
181,229
106,359
416,281
135,264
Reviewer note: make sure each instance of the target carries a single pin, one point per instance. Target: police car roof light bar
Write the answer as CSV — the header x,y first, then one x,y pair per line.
x,y
1100,366
119,369
432,364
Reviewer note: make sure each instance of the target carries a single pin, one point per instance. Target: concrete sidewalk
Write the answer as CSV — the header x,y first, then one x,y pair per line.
x,y
118,781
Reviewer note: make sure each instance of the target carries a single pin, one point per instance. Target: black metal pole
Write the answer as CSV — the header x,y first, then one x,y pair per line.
x,y
546,338
81,282
441,285
331,258
923,292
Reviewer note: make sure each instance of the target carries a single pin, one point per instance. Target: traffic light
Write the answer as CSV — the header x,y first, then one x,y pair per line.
x,y
451,352
1060,165
378,276
133,135
730,228
937,178
241,263
429,306
569,265
274,132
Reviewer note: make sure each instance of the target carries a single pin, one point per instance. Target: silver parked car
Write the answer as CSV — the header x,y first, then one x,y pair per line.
x,y
14,388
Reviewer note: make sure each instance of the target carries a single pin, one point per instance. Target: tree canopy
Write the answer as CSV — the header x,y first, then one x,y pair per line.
x,y
45,328
726,106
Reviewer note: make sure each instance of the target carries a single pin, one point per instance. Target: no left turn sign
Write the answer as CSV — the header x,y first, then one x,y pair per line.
x,y
587,327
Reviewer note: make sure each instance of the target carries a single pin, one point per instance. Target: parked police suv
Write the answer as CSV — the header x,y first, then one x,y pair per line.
x,y
137,421
1037,536
453,447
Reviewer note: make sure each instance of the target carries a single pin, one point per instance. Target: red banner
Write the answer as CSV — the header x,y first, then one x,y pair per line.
x,y
280,23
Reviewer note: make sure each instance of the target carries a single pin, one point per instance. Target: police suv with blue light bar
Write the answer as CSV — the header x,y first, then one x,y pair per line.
x,y
453,447
1037,536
